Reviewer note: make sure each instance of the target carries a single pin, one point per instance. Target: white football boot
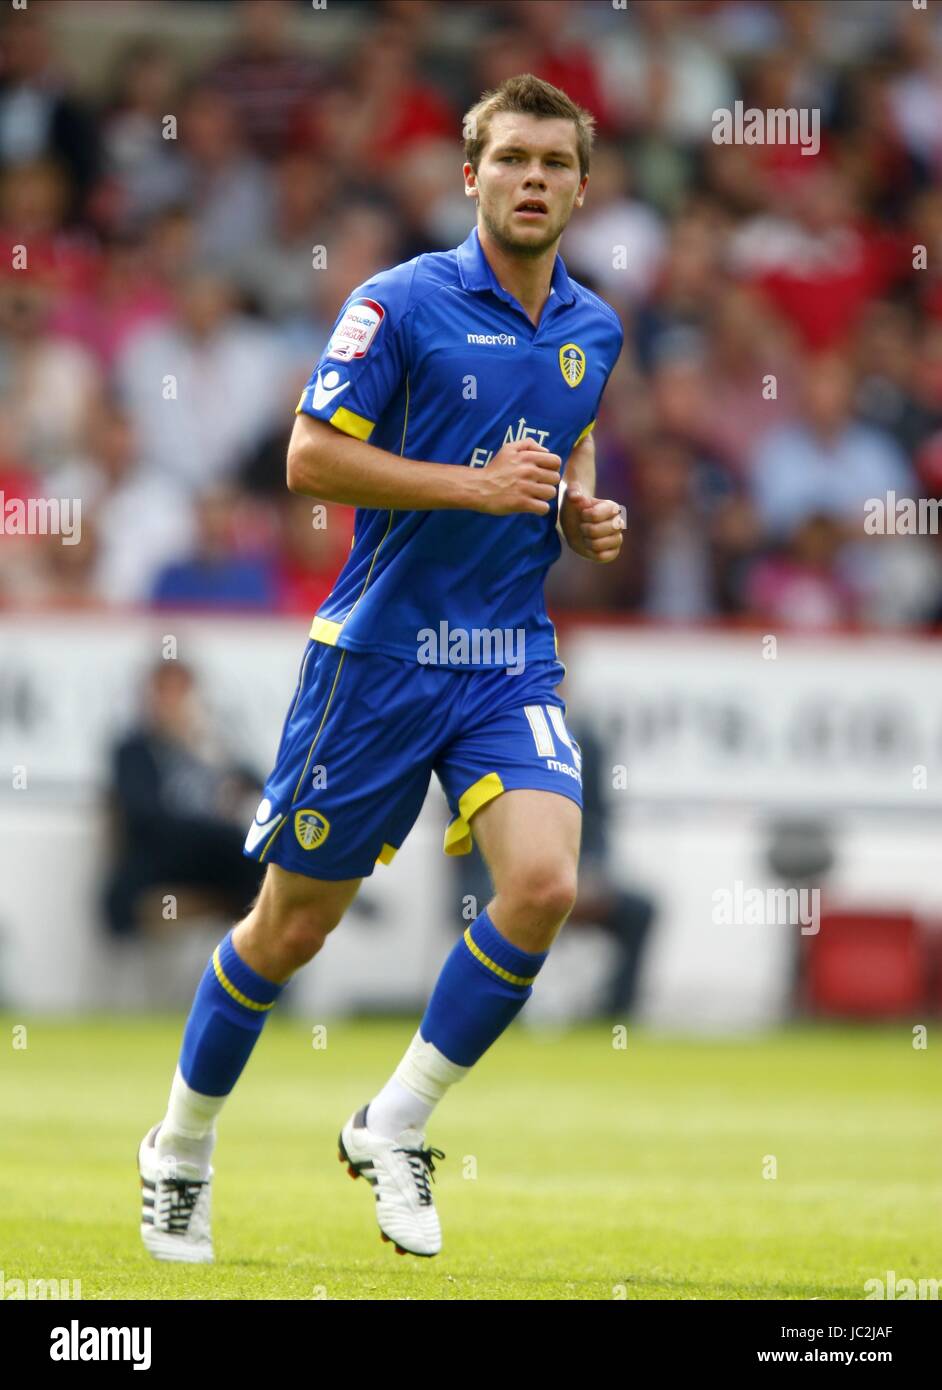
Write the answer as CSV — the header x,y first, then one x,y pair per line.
x,y
176,1199
398,1171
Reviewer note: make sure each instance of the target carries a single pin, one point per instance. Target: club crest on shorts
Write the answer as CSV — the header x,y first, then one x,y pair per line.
x,y
310,828
572,363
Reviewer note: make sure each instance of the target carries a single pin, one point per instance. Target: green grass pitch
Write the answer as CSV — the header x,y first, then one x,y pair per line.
x,y
573,1170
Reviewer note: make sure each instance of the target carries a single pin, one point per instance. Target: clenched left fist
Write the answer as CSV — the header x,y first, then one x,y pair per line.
x,y
593,527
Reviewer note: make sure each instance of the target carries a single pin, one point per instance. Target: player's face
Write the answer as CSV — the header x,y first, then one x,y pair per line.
x,y
528,160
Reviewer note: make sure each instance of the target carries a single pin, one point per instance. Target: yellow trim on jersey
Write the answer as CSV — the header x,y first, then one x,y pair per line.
x,y
458,833
325,625
478,954
323,630
351,423
386,855
373,562
405,421
585,433
230,988
348,421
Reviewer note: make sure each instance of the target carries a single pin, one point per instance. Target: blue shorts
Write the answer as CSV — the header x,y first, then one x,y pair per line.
x,y
364,734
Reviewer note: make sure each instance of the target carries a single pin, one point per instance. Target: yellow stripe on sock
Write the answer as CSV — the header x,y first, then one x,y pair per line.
x,y
230,988
492,964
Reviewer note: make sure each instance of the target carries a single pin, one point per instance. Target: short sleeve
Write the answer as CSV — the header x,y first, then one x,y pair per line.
x,y
365,360
615,353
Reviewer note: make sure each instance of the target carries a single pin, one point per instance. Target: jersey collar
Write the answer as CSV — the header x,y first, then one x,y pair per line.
x,y
475,272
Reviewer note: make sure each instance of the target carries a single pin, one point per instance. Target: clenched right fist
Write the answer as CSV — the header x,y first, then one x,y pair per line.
x,y
521,477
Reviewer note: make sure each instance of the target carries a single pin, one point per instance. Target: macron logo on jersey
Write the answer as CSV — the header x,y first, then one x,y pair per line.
x,y
492,339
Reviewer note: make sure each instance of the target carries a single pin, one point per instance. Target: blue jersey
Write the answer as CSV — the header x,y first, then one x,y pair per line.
x,y
434,360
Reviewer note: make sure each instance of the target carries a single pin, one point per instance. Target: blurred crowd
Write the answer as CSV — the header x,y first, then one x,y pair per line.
x,y
783,354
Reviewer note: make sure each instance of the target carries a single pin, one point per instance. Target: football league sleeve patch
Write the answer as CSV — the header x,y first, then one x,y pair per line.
x,y
363,363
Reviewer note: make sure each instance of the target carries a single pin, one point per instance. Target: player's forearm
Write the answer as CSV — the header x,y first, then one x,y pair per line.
x,y
339,468
580,466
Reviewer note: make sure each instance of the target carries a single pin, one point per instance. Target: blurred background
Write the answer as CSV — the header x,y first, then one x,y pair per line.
x,y
197,187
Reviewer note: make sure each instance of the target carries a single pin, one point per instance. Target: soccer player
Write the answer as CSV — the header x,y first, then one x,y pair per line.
x,y
447,398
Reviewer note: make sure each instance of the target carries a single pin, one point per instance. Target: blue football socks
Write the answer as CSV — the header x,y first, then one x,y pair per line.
x,y
228,1013
483,985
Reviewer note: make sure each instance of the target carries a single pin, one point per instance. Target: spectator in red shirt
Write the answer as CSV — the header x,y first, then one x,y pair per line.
x,y
380,106
555,54
264,77
313,542
819,263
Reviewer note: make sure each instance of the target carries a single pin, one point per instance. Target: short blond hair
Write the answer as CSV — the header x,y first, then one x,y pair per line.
x,y
526,95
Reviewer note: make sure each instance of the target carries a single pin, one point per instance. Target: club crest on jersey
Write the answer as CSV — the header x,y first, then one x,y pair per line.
x,y
310,828
356,330
572,363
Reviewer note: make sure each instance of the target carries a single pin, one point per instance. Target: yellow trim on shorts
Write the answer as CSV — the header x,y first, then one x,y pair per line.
x,y
458,833
282,823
